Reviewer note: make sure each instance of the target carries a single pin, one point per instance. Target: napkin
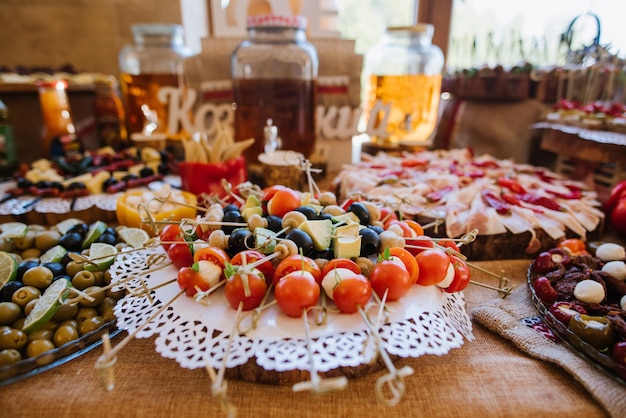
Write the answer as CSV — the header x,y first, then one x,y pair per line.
x,y
515,318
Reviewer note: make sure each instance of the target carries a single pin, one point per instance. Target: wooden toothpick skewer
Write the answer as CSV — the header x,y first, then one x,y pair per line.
x,y
316,384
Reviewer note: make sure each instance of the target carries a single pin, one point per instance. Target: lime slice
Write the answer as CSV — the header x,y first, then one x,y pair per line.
x,y
8,268
135,237
53,255
13,230
95,230
47,305
102,256
66,224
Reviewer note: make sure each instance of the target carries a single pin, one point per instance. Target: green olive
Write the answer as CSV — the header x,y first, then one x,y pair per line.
x,y
33,253
9,356
85,313
66,311
25,294
107,277
38,347
99,278
64,334
90,324
6,244
12,338
39,277
25,242
41,334
73,267
83,279
51,325
19,324
115,294
9,312
70,322
47,239
29,307
96,293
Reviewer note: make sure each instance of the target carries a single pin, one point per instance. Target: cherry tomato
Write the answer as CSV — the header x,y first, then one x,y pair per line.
x,y
418,244
407,232
341,263
392,277
180,255
283,201
387,214
433,266
416,227
270,191
461,275
409,261
297,262
191,280
213,254
236,293
449,244
295,292
267,268
575,245
169,233
351,293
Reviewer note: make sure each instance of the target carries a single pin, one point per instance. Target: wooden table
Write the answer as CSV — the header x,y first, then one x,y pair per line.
x,y
488,376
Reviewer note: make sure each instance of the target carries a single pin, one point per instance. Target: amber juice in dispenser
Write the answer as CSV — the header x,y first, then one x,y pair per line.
x,y
274,76
404,72
155,60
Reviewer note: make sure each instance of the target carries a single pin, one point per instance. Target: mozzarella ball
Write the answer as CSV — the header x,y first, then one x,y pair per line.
x,y
622,303
589,291
610,252
616,269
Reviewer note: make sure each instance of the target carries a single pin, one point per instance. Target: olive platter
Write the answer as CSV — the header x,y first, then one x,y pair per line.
x,y
601,359
42,257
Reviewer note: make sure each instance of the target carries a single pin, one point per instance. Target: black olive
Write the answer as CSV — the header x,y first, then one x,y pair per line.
x,y
55,267
67,258
326,254
23,183
325,216
232,216
379,229
23,266
239,240
80,229
302,240
370,242
110,230
130,177
274,223
107,238
163,169
361,212
307,211
8,289
109,182
42,184
72,241
146,172
229,208
57,185
77,185
62,276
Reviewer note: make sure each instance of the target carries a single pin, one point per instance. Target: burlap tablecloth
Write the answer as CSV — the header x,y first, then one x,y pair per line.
x,y
489,376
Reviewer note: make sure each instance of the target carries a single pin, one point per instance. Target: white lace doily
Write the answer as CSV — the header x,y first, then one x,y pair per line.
x,y
426,321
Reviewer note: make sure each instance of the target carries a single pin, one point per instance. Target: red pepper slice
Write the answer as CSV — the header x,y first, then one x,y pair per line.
x,y
413,162
495,202
617,192
437,195
511,184
540,201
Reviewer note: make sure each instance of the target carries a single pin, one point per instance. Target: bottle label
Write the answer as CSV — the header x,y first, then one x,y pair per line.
x,y
8,154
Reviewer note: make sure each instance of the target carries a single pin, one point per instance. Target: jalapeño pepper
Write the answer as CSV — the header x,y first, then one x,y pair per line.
x,y
597,331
